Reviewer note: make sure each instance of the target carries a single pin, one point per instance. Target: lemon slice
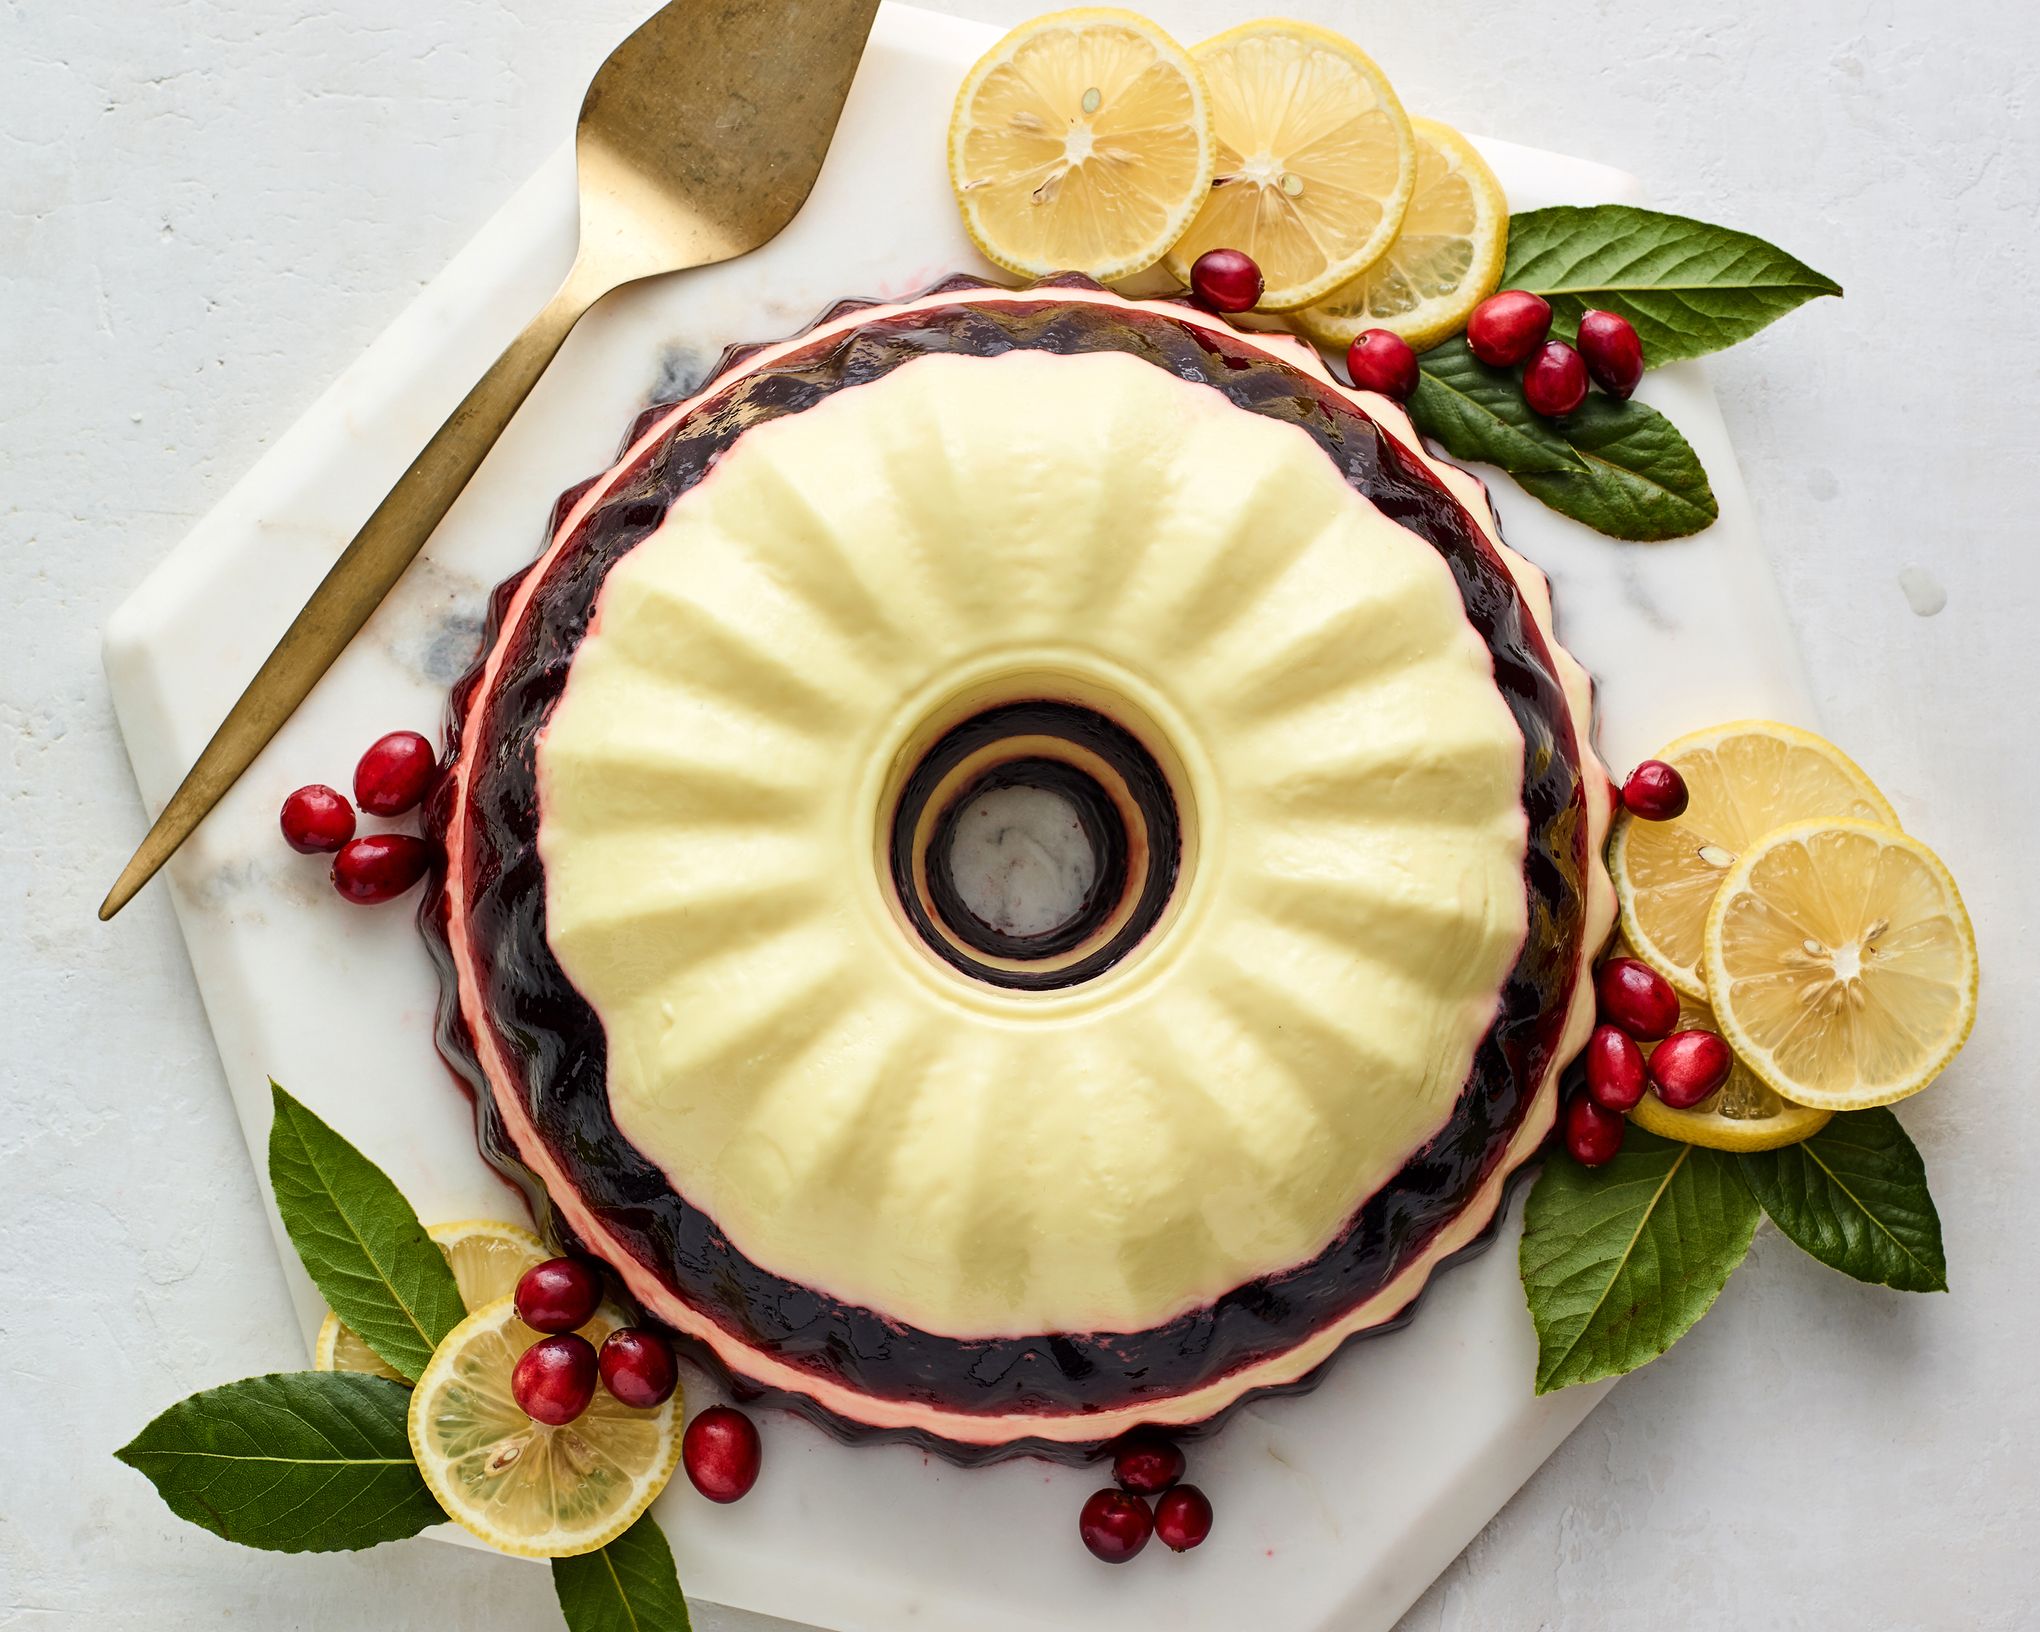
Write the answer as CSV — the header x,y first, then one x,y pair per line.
x,y
1744,1113
1744,779
1080,143
1316,159
521,1486
1445,261
1842,963
487,1257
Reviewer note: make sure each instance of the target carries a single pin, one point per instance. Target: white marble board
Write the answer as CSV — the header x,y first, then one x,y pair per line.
x,y
1335,1510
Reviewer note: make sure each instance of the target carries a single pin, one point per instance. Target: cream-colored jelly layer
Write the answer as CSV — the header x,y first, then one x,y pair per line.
x,y
849,1403
979,1163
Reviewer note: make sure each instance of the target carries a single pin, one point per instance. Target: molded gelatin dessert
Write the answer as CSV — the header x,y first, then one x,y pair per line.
x,y
1021,1185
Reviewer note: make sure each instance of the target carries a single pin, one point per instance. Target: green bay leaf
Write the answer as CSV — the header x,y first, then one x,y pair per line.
x,y
1854,1195
1688,286
1639,478
295,1462
628,1586
359,1239
1619,1261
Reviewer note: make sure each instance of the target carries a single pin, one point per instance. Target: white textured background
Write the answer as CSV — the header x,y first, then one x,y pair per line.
x,y
207,207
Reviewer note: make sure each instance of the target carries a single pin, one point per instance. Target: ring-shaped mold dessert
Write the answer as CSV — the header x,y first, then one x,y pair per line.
x,y
824,1274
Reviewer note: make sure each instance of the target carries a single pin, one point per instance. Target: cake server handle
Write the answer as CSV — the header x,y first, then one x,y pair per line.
x,y
364,574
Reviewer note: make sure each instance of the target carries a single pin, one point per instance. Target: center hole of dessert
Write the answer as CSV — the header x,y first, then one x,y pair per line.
x,y
1021,860
1028,858
1033,844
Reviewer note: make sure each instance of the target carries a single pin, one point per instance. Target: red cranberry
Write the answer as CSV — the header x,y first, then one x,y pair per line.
x,y
1654,792
1555,383
637,1366
558,1295
1615,1074
1637,998
1115,1525
721,1452
1505,328
1688,1066
1381,360
395,774
1146,1465
554,1380
1613,354
316,820
1592,1135
1183,1518
1225,280
380,866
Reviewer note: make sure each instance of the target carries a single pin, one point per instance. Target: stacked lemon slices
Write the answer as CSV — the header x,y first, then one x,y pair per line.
x,y
1090,141
520,1485
1830,948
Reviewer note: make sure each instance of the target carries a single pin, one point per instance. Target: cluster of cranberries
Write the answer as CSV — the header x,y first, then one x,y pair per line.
x,y
1117,1521
391,780
1514,327
1506,329
1637,1005
554,1380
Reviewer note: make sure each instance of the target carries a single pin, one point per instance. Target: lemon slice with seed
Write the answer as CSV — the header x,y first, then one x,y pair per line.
x,y
521,1486
1080,143
1842,963
1445,261
1744,779
1744,1113
486,1257
1316,159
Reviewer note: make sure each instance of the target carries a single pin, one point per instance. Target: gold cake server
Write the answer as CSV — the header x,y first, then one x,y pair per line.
x,y
700,137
